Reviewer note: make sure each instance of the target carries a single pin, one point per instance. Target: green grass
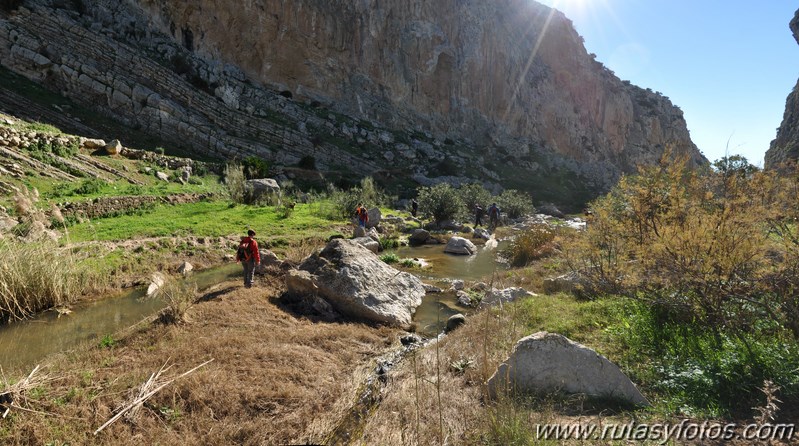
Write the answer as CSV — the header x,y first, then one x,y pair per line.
x,y
210,219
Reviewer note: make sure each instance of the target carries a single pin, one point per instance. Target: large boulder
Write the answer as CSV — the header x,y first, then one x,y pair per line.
x,y
263,187
358,284
481,233
545,363
459,245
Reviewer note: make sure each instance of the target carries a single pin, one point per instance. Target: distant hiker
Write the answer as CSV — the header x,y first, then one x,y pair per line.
x,y
478,215
363,215
249,257
414,207
493,215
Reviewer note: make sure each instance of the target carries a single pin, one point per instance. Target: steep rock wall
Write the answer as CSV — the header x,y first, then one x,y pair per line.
x,y
785,147
509,82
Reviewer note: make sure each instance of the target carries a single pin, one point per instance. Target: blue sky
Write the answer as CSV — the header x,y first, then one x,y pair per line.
x,y
729,65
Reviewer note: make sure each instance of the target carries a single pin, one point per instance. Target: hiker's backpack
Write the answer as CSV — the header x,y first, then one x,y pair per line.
x,y
244,253
493,211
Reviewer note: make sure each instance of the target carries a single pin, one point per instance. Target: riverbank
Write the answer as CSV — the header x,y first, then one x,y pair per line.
x,y
276,377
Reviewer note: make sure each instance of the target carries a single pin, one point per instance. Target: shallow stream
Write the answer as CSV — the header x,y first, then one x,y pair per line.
x,y
24,343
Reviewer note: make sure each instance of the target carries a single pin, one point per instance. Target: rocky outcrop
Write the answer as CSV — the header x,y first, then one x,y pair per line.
x,y
545,363
785,147
358,284
415,86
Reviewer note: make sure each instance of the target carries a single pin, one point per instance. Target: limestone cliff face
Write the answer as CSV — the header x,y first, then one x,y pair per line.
x,y
785,147
509,82
510,73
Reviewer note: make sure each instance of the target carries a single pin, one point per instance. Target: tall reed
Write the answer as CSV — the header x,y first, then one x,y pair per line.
x,y
37,276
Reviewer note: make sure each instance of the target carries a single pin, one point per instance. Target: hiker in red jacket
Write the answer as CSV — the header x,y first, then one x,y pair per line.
x,y
249,257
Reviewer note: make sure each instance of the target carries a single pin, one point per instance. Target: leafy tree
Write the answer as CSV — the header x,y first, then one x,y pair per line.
x,y
734,165
440,202
514,204
473,194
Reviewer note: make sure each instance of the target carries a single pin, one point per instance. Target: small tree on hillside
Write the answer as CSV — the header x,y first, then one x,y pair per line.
x,y
441,202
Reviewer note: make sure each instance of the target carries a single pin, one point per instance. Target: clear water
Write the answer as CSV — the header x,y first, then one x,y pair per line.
x,y
23,344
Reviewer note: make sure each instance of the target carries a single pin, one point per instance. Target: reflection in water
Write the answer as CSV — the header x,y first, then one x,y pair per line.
x,y
23,344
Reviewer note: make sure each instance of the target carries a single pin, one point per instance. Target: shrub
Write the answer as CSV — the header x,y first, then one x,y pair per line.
x,y
530,245
441,202
255,167
368,194
178,297
387,243
34,277
514,204
235,182
390,258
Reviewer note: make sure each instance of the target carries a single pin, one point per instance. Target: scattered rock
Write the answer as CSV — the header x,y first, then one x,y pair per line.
x,y
464,299
373,234
431,288
157,280
162,176
460,246
455,321
93,144
457,285
185,268
410,339
480,286
268,260
565,283
368,243
374,217
496,296
359,231
263,187
357,283
113,147
545,363
481,233
418,237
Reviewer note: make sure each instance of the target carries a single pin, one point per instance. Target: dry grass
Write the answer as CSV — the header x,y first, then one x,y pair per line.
x,y
36,276
444,385
277,378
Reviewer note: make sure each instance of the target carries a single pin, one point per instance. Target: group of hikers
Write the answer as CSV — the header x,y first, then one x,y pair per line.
x,y
493,215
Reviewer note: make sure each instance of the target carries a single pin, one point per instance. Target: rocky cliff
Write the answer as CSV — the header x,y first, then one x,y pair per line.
x,y
785,147
500,91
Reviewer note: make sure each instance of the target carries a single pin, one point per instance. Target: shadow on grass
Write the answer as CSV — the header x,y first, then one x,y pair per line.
x,y
216,294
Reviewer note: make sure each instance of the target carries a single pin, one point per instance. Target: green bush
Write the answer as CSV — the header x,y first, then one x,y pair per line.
x,y
514,204
255,167
440,202
90,187
387,243
697,372
390,258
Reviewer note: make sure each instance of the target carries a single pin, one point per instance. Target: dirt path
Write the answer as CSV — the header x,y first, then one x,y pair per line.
x,y
277,377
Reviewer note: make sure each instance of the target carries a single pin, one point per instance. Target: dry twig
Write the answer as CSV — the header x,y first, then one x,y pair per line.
x,y
145,393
